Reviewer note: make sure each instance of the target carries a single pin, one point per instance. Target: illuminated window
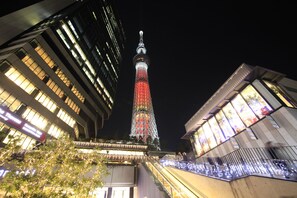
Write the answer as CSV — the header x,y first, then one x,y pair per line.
x,y
33,66
280,93
224,124
209,135
259,106
72,105
63,77
203,140
20,80
55,88
8,100
25,142
244,111
220,138
46,101
55,131
233,118
35,118
66,118
43,54
78,94
197,144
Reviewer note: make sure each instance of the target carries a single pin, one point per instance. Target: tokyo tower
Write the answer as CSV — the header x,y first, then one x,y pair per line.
x,y
144,126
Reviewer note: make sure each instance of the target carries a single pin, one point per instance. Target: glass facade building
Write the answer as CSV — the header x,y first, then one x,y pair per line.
x,y
61,75
247,111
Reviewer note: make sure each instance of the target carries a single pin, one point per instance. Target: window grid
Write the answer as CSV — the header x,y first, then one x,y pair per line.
x,y
46,101
72,105
33,66
35,118
20,80
66,118
55,88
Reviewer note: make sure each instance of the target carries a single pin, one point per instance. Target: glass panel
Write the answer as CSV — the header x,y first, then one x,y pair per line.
x,y
280,94
245,113
197,145
216,130
256,102
209,135
224,124
203,140
233,118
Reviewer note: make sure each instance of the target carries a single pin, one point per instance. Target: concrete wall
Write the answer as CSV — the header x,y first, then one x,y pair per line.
x,y
249,187
146,187
120,176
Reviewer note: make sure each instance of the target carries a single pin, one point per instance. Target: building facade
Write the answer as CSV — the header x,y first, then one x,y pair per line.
x,y
60,75
254,106
143,125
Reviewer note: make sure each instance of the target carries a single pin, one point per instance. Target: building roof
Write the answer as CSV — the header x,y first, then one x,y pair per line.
x,y
243,75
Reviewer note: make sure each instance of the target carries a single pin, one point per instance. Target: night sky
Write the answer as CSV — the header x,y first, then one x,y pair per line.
x,y
194,46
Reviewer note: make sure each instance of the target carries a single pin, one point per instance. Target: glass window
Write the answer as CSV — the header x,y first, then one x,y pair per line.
x,y
55,131
244,111
259,106
278,91
20,80
46,101
220,138
224,124
203,140
35,118
233,118
209,135
66,118
197,144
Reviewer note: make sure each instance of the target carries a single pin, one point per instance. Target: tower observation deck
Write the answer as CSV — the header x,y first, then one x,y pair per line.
x,y
143,126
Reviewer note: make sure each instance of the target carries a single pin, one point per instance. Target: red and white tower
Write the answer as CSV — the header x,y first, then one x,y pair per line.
x,y
143,119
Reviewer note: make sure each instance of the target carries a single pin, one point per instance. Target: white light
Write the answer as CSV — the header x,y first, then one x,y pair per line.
x,y
11,117
3,117
2,111
32,130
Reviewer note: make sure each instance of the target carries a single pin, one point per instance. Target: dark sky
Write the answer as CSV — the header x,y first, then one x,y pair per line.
x,y
194,46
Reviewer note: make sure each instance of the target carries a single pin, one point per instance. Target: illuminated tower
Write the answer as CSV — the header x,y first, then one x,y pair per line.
x,y
143,119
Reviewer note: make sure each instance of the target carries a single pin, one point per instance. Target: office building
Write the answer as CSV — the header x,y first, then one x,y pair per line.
x,y
254,106
59,70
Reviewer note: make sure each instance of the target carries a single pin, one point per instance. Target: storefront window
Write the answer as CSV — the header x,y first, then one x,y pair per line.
x,y
224,124
233,118
203,140
197,144
259,106
244,111
209,135
220,138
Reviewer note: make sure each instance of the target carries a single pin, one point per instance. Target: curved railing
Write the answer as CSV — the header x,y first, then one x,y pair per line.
x,y
241,163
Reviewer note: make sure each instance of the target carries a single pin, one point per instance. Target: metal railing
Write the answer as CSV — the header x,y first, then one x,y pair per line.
x,y
171,188
243,162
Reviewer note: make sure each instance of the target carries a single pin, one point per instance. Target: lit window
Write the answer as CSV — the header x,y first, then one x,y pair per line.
x,y
259,106
281,95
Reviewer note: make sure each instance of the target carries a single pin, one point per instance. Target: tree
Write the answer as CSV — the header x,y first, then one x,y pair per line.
x,y
54,169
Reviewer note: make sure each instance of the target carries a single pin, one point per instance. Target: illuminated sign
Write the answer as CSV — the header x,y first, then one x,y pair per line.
x,y
20,124
4,171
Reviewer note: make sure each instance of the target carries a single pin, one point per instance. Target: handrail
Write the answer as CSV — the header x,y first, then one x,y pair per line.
x,y
170,190
200,193
243,162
